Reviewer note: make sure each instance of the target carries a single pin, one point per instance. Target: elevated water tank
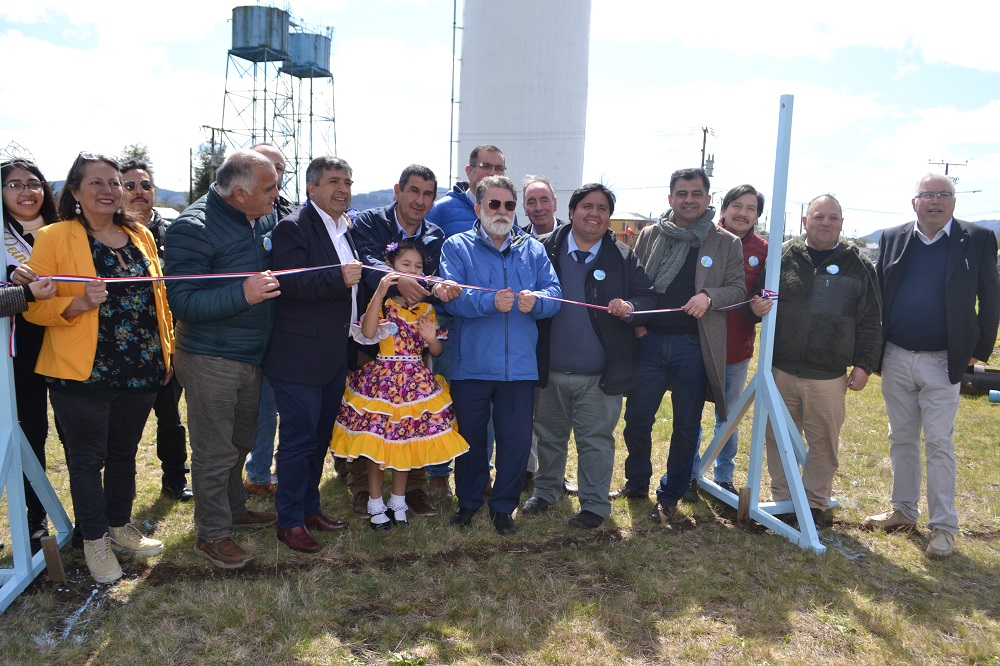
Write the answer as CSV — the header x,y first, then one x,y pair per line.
x,y
524,87
310,55
260,34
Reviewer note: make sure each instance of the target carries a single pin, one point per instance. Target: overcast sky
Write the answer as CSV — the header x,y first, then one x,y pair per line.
x,y
881,89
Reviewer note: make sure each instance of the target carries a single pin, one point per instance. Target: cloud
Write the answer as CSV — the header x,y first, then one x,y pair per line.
x,y
946,34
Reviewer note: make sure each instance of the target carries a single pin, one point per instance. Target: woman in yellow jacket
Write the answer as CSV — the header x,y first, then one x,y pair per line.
x,y
106,351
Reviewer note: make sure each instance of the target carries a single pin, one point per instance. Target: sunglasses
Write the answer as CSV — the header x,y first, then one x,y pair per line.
x,y
494,204
130,185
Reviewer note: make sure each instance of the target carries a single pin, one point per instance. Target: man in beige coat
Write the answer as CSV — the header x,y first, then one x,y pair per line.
x,y
696,268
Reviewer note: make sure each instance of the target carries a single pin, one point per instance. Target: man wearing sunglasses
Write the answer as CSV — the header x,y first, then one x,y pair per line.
x,y
932,271
495,334
171,444
455,213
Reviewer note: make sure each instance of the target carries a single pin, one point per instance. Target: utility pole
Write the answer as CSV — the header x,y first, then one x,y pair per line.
x,y
707,162
946,165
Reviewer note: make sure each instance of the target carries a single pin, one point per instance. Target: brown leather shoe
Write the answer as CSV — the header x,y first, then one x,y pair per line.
x,y
439,487
324,523
298,538
359,502
420,503
265,490
223,553
256,520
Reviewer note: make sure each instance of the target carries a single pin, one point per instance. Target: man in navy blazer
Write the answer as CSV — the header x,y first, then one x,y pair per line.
x,y
932,273
307,361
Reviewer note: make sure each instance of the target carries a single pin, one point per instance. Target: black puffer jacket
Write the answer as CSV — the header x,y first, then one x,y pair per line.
x,y
212,316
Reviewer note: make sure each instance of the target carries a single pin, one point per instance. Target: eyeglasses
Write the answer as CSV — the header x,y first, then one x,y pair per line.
x,y
496,168
130,185
31,186
927,196
494,204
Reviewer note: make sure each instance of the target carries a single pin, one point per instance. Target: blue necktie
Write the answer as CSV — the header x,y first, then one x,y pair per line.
x,y
581,256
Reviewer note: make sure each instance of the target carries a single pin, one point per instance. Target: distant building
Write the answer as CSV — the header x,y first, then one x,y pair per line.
x,y
628,225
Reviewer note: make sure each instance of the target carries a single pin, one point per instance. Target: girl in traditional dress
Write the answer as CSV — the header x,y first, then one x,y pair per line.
x,y
395,412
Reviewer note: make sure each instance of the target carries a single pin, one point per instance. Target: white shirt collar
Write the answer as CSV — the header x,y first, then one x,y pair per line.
x,y
340,226
943,231
572,247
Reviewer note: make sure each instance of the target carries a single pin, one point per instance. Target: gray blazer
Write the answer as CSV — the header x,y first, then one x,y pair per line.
x,y
725,283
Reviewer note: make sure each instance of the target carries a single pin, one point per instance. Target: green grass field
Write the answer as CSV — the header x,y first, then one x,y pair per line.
x,y
699,591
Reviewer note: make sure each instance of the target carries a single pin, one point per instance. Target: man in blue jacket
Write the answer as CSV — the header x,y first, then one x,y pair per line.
x,y
223,327
455,212
494,338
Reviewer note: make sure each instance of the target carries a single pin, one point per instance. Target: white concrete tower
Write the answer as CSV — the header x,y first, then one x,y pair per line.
x,y
523,87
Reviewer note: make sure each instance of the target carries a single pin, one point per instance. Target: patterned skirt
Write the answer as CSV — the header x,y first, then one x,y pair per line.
x,y
398,414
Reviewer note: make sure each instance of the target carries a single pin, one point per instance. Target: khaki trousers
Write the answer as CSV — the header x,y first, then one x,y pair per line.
x,y
818,408
918,396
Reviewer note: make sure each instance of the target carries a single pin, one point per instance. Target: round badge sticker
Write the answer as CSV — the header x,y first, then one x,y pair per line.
x,y
706,261
753,261
833,269
267,243
599,274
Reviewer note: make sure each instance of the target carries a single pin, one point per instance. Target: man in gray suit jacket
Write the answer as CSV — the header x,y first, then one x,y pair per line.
x,y
697,268
932,272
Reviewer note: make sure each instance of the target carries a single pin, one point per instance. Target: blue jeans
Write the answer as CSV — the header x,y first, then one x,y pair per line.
x,y
258,464
665,362
736,380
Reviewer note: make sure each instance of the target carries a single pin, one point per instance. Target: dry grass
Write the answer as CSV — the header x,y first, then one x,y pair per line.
x,y
700,591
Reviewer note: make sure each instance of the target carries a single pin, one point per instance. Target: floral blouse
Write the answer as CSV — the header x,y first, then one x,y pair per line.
x,y
129,355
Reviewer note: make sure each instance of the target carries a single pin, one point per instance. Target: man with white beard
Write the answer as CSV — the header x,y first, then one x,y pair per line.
x,y
495,335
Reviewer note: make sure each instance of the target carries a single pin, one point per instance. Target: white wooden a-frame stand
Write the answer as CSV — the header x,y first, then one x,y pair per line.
x,y
18,461
763,394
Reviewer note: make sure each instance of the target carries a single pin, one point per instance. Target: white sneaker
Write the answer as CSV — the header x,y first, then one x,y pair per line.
x,y
101,560
129,538
942,545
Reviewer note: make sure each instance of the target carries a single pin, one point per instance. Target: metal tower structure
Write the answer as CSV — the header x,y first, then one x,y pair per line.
x,y
259,98
313,119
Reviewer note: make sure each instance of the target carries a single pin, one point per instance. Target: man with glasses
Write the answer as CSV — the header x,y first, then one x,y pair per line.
x,y
932,271
495,333
455,212
171,444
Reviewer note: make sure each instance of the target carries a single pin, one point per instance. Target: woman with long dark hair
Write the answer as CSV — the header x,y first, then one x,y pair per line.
x,y
28,205
106,352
